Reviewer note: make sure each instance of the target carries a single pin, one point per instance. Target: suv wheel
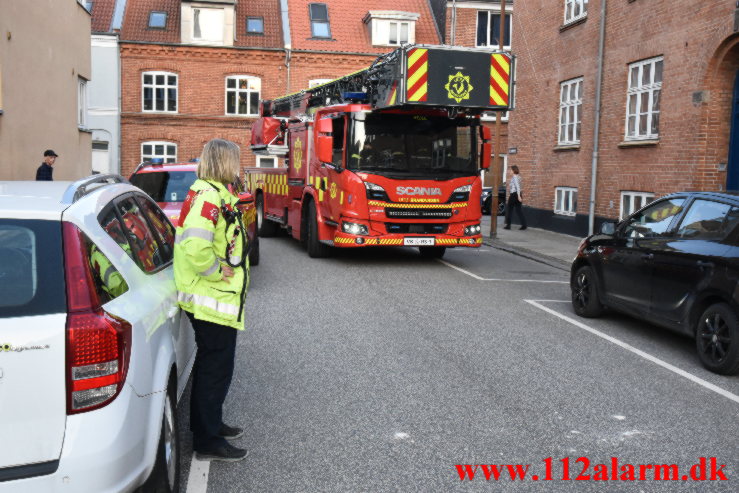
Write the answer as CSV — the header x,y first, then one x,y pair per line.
x,y
585,299
717,339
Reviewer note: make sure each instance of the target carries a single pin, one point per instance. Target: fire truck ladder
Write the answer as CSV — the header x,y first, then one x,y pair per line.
x,y
360,86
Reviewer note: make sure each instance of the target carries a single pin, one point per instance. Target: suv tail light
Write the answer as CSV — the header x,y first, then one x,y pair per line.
x,y
98,344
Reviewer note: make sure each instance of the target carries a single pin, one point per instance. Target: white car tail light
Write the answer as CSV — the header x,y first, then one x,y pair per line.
x,y
98,344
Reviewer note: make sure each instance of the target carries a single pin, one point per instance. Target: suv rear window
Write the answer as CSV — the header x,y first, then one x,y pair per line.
x,y
165,186
31,268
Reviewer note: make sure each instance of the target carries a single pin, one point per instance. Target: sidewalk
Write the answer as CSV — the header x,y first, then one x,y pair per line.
x,y
555,249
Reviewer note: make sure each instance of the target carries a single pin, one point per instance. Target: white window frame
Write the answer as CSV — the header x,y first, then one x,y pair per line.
x,y
398,25
653,90
82,103
154,86
570,111
168,158
509,29
317,82
197,12
568,208
267,158
248,91
571,6
644,198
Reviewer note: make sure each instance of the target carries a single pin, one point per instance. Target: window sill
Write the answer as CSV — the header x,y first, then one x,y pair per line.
x,y
567,147
638,143
150,112
314,38
574,23
84,129
565,215
255,34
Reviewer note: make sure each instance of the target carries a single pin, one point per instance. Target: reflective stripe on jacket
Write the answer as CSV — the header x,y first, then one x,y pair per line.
x,y
202,243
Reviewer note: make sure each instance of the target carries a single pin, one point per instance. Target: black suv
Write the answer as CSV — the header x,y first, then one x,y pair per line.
x,y
675,263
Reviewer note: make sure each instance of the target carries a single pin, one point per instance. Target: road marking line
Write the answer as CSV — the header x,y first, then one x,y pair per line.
x,y
499,280
197,480
639,352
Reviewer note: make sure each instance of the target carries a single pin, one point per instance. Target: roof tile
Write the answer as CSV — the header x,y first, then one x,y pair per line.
x,y
102,14
348,32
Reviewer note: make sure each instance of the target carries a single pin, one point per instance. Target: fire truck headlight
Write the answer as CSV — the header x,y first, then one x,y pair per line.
x,y
375,192
461,194
354,228
472,230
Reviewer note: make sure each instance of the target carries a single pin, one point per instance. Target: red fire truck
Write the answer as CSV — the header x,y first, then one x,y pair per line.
x,y
389,155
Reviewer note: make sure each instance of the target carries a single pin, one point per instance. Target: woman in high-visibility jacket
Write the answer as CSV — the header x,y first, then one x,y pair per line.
x,y
212,276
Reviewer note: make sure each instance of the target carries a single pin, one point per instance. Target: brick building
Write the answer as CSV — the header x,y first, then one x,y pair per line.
x,y
195,70
669,69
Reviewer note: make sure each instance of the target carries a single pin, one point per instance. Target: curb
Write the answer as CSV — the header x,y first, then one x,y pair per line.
x,y
529,254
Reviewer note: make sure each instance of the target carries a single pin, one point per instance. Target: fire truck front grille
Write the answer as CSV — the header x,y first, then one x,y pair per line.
x,y
421,228
398,213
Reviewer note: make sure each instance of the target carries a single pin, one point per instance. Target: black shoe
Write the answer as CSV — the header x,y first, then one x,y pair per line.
x,y
506,227
230,433
522,228
226,453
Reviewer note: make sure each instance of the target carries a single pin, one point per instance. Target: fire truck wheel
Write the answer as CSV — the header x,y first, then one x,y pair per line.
x,y
265,227
254,253
432,252
316,249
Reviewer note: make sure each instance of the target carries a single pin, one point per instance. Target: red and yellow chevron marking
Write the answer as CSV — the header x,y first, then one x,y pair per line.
x,y
500,70
339,239
393,94
404,205
418,74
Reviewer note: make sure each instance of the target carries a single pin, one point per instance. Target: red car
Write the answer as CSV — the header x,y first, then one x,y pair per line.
x,y
168,185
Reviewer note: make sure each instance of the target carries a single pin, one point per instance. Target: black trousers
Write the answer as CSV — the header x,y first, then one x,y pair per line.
x,y
514,204
211,378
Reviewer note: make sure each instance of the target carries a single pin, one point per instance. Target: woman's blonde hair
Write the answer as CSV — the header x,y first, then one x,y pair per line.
x,y
219,161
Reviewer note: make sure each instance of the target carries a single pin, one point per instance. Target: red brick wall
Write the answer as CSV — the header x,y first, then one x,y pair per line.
x,y
201,97
201,93
693,137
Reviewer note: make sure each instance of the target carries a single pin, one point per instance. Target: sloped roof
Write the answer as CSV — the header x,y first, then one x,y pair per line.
x,y
102,14
136,21
348,32
269,10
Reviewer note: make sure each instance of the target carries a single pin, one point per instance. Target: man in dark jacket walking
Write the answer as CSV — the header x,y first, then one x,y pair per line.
x,y
45,171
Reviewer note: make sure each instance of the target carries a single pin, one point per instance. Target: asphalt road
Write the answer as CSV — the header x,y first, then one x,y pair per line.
x,y
379,371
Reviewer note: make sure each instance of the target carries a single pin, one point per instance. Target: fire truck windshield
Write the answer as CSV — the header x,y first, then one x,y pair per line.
x,y
411,145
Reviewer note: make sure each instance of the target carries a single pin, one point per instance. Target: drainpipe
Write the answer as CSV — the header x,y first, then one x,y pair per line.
x,y
454,21
596,136
284,12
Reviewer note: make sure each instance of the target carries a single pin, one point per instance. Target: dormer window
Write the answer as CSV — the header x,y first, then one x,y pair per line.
x,y
319,25
391,27
208,22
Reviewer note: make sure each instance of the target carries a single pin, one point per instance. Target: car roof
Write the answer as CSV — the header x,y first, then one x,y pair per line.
x,y
158,168
731,195
39,199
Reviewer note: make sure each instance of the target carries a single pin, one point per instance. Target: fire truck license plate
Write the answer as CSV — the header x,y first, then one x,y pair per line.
x,y
418,241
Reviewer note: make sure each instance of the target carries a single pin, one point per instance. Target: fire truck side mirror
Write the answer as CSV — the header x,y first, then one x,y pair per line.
x,y
325,140
486,148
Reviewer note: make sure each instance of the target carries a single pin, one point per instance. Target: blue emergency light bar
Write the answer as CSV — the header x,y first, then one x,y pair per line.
x,y
356,96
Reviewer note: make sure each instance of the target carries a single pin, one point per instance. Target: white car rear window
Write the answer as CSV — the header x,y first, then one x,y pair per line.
x,y
31,268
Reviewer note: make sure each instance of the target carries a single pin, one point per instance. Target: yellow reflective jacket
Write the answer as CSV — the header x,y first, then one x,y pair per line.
x,y
204,240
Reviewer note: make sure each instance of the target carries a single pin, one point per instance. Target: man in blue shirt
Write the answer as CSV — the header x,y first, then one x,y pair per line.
x,y
45,171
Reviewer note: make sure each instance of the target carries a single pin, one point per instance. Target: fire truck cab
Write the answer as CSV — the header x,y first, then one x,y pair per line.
x,y
388,156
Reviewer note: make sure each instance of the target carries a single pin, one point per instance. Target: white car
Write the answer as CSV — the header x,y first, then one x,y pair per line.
x,y
94,351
